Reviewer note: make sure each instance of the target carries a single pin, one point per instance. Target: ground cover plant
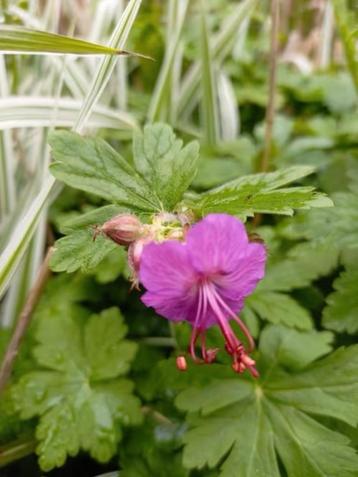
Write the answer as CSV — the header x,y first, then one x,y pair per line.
x,y
178,236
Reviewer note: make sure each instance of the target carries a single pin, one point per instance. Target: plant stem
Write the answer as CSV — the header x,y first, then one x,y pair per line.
x,y
270,111
161,341
24,321
158,416
17,450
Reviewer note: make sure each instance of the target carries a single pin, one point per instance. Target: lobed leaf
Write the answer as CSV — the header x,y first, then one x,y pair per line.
x,y
168,167
337,225
77,392
244,425
303,264
153,450
279,308
261,193
80,251
91,165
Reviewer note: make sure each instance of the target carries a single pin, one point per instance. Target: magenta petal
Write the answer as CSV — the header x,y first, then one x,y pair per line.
x,y
216,244
242,281
166,273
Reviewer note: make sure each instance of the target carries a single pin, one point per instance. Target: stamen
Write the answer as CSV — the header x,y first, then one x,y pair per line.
x,y
233,346
208,355
237,319
193,339
231,340
196,330
203,346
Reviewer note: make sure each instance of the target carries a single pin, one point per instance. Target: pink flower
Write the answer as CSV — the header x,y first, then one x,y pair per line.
x,y
204,281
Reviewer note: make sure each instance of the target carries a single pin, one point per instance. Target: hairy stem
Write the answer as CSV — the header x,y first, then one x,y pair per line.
x,y
24,321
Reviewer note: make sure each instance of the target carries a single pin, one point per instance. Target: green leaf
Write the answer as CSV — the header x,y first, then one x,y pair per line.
x,y
261,193
18,39
294,349
63,295
78,392
243,426
168,167
35,111
91,219
10,424
280,308
337,226
91,165
165,168
342,305
165,92
297,269
80,250
152,450
272,180
107,353
222,45
106,67
114,265
303,264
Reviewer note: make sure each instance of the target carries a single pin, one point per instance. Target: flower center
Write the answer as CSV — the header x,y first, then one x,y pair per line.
x,y
208,297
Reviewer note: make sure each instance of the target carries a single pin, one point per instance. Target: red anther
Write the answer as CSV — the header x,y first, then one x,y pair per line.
x,y
253,371
210,355
238,367
247,360
181,363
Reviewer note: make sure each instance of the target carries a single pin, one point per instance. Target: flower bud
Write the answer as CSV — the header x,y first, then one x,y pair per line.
x,y
123,229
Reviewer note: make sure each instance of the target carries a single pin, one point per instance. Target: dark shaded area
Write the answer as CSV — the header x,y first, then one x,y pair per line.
x,y
81,466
